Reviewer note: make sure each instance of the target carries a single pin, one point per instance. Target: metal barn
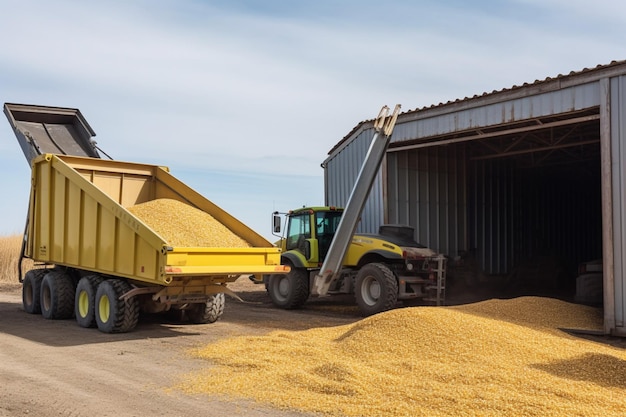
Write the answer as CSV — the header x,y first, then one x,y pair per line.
x,y
516,177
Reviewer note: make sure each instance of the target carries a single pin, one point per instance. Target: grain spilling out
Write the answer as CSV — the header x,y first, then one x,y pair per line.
x,y
183,225
493,358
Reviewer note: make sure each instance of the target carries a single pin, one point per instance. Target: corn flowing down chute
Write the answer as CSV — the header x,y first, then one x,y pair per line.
x,y
383,128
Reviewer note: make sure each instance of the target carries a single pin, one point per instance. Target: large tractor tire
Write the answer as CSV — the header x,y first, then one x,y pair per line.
x,y
57,296
85,299
112,314
289,291
376,289
31,290
209,312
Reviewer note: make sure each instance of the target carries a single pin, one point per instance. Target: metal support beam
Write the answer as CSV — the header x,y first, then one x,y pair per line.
x,y
504,132
606,157
331,267
541,149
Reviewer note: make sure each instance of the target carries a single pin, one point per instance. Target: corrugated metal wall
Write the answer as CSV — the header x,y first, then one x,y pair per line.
x,y
340,175
426,189
561,100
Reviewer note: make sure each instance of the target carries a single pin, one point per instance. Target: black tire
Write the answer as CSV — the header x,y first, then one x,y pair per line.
x,y
84,300
57,296
112,314
376,289
289,291
31,290
209,312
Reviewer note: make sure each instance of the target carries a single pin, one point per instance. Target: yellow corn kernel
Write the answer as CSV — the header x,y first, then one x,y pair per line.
x,y
494,358
183,225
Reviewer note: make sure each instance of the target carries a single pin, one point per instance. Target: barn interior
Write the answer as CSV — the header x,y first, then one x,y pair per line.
x,y
516,208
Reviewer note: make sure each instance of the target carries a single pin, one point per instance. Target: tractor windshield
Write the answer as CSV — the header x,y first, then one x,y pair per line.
x,y
299,230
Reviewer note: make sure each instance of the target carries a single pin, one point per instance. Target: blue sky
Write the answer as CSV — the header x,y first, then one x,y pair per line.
x,y
242,100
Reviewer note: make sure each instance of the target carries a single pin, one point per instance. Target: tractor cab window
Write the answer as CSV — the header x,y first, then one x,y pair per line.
x,y
299,230
326,225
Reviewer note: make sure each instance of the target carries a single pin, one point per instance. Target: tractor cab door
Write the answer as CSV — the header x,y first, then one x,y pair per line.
x,y
299,236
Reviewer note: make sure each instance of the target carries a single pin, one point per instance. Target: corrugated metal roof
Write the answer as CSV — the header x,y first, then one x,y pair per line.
x,y
538,86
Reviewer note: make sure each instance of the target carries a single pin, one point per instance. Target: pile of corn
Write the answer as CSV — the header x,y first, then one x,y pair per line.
x,y
183,225
494,358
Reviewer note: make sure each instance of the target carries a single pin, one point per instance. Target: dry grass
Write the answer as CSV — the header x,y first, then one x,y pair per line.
x,y
495,358
9,256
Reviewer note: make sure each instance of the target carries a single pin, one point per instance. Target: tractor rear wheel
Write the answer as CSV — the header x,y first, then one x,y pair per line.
x,y
376,289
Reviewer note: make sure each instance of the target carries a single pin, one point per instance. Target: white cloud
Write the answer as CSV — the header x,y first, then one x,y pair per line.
x,y
267,89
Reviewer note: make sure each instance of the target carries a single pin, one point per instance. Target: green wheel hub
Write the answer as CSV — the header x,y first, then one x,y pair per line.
x,y
83,304
104,309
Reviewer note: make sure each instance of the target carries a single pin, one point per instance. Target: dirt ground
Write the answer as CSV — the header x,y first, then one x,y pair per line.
x,y
52,367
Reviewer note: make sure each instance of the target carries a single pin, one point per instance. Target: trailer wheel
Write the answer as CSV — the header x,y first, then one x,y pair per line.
x,y
289,291
209,312
31,290
57,296
84,300
112,314
376,289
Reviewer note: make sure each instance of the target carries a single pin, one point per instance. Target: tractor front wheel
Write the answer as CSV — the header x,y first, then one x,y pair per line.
x,y
289,291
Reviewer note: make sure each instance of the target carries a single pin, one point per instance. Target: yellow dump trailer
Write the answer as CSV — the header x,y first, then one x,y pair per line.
x,y
105,263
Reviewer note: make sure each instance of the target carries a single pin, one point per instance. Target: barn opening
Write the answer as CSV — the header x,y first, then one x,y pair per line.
x,y
517,207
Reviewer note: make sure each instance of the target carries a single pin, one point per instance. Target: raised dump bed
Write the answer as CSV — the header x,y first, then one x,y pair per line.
x,y
46,129
125,237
